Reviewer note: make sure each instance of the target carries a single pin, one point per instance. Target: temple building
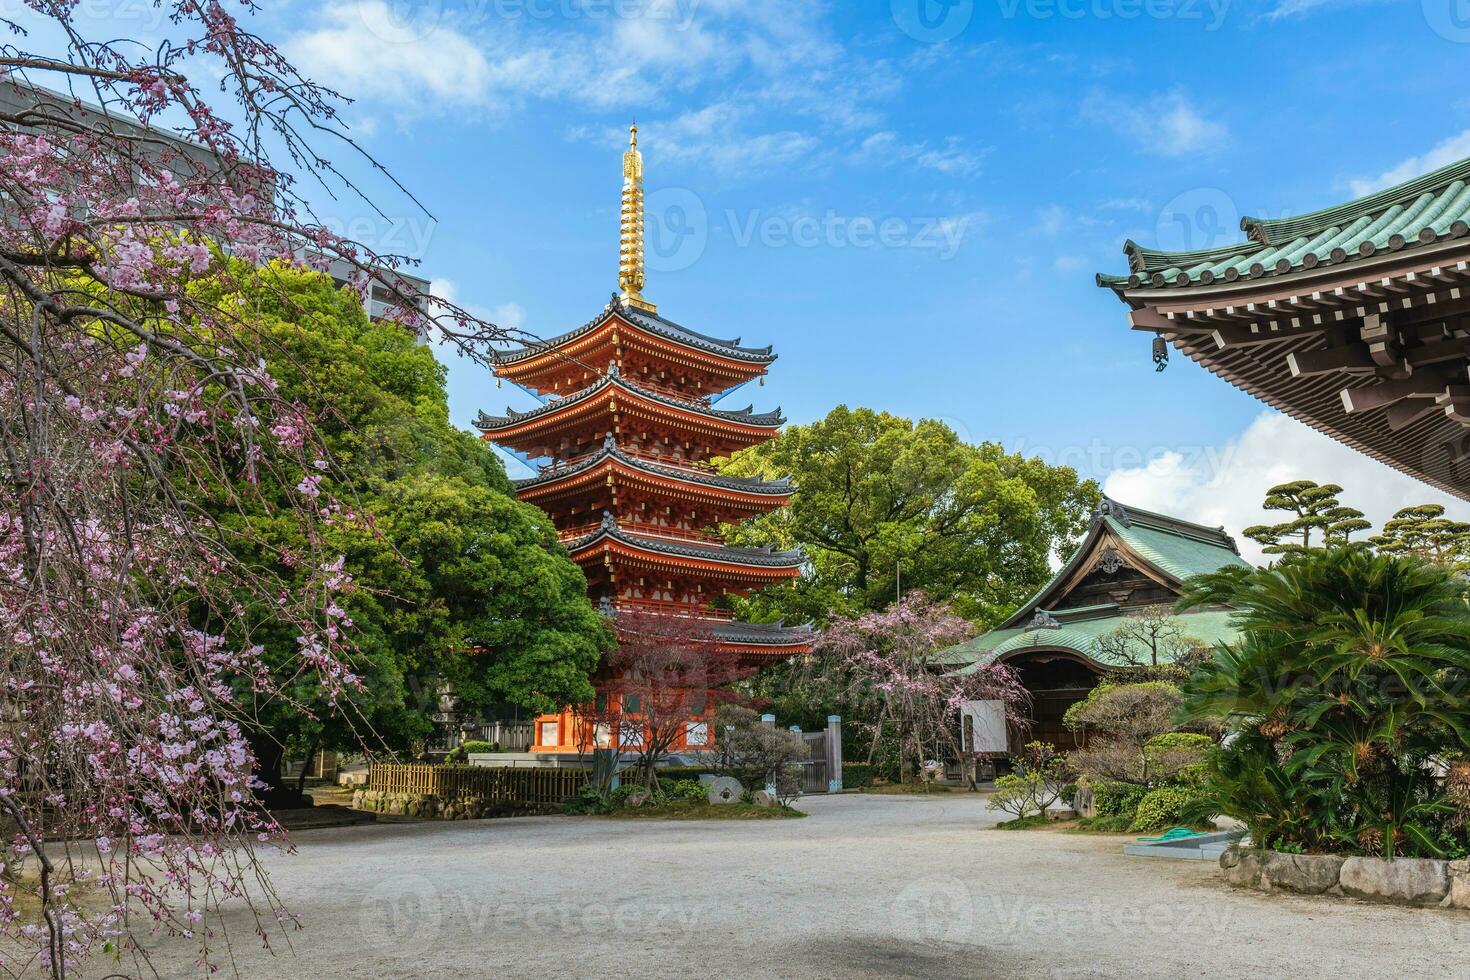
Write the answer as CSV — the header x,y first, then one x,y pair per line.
x,y
1066,637
1352,319
624,439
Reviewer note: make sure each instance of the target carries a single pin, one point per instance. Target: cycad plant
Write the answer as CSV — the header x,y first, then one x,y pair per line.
x,y
1347,691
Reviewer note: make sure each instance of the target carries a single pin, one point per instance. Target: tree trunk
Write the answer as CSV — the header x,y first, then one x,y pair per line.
x,y
301,779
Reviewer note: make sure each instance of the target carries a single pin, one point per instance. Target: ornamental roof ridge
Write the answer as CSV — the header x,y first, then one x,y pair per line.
x,y
651,322
779,487
773,634
756,557
1425,210
747,415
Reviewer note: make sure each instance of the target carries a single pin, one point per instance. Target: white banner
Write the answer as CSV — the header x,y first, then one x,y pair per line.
x,y
985,726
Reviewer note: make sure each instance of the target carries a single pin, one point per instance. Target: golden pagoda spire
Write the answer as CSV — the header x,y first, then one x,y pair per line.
x,y
630,250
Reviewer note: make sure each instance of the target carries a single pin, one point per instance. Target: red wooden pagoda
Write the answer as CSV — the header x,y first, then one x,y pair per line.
x,y
628,428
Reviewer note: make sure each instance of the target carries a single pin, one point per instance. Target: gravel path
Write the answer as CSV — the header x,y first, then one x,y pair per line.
x,y
866,886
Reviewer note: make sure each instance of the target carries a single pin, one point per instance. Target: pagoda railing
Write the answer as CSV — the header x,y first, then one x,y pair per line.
x,y
570,462
647,530
665,608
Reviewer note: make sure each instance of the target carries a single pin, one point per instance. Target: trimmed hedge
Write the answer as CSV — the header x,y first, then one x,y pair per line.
x,y
1162,808
676,773
856,775
1117,799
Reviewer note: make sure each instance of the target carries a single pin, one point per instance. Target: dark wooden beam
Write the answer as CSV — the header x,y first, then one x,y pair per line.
x,y
1353,358
1385,393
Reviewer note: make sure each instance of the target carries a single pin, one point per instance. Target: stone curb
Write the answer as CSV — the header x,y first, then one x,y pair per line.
x,y
1420,882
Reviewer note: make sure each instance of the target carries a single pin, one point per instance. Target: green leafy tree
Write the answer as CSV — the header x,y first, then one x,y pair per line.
x,y
458,585
1346,690
1425,532
1317,516
887,504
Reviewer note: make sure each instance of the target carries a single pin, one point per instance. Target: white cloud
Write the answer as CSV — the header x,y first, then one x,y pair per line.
x,y
366,49
1127,204
1445,152
885,146
1224,485
1071,263
1167,125
1298,8
507,316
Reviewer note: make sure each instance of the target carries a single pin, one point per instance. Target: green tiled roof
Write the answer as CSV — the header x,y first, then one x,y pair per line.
x,y
1176,549
1414,214
1080,634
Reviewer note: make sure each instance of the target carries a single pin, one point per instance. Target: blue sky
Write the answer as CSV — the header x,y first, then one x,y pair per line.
x,y
1005,149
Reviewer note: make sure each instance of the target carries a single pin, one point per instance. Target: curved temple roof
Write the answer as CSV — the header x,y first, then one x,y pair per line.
x,y
775,488
654,324
745,416
1175,550
752,557
1424,211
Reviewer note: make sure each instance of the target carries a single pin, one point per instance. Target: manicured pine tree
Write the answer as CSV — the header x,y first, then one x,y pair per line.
x,y
1318,517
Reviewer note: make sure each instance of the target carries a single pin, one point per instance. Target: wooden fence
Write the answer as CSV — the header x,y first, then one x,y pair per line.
x,y
455,782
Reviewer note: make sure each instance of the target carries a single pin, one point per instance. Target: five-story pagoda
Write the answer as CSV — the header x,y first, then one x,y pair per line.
x,y
628,428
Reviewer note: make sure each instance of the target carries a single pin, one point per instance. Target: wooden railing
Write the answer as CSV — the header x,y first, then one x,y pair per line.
x,y
647,530
539,785
674,609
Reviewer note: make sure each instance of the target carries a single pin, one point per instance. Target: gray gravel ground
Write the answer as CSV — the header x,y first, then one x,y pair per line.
x,y
866,886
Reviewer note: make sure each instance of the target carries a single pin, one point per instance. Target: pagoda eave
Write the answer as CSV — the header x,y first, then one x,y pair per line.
x,y
613,403
608,469
682,556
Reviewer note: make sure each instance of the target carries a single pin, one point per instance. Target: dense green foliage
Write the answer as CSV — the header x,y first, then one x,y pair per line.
x,y
1162,808
458,583
1425,532
1349,690
856,775
886,502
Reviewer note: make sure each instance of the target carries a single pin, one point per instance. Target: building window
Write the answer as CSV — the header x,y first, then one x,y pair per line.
x,y
601,702
696,733
550,733
631,704
630,734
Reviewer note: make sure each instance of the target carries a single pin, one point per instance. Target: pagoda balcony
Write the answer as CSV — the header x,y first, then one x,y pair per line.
x,y
645,529
666,608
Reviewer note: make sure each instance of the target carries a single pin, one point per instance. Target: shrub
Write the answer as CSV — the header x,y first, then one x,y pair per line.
x,y
750,750
1181,757
682,790
676,773
1163,808
476,746
856,775
1017,793
1114,799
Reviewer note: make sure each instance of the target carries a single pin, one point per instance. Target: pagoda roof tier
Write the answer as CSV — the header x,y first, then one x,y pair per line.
x,y
595,468
1354,320
1417,214
684,554
620,328
613,394
762,634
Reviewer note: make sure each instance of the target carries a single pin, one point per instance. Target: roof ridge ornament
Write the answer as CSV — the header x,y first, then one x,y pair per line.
x,y
1108,507
1044,620
630,244
609,443
609,523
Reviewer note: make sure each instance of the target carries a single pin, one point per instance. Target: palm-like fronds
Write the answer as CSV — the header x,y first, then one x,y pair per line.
x,y
1350,672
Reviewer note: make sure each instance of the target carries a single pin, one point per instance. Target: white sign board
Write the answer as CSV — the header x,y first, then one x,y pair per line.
x,y
986,724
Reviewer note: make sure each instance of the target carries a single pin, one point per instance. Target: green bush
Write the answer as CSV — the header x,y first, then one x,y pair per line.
x,y
475,746
1111,799
1162,808
673,790
1019,794
1179,757
856,775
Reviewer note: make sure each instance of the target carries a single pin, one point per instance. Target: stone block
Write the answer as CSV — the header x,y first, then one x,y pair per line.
x,y
1459,896
1403,881
724,789
1304,874
763,798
